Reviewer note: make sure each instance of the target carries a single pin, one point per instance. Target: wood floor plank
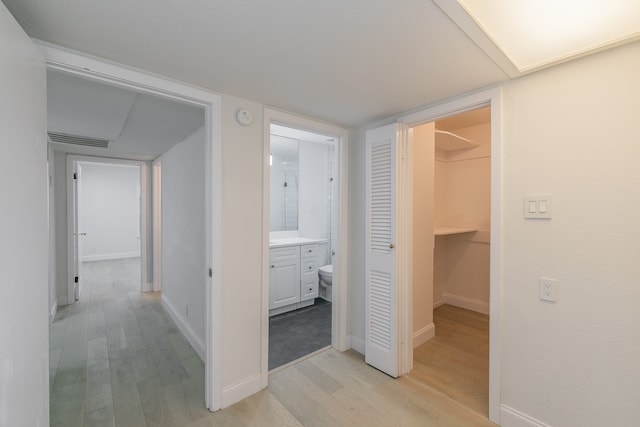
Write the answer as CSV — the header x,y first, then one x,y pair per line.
x,y
54,360
456,361
264,410
302,406
119,338
102,417
67,405
154,403
319,377
181,346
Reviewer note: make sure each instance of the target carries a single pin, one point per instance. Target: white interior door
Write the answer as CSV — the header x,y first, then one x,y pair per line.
x,y
381,336
157,225
77,231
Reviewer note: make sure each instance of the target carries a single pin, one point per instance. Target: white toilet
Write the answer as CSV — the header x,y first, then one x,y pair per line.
x,y
325,273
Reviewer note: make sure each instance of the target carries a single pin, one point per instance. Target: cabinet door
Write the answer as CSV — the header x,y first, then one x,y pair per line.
x,y
284,283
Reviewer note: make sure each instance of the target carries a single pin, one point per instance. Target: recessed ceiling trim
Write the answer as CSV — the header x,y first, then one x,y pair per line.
x,y
466,23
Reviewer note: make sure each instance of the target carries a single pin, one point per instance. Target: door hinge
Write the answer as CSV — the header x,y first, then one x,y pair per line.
x,y
210,272
76,279
75,175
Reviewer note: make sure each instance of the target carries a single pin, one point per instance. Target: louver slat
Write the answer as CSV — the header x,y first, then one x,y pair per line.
x,y
380,303
380,208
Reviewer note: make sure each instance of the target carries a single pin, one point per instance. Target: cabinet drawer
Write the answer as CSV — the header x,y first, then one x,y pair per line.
x,y
284,253
308,266
307,251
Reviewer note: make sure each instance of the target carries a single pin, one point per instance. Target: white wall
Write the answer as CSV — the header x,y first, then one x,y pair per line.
x,y
463,195
422,158
109,211
242,171
183,238
572,131
313,197
24,333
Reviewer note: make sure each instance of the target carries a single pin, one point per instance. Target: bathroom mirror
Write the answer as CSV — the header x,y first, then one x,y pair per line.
x,y
284,183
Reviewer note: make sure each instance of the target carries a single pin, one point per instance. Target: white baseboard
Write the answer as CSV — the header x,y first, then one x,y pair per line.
x,y
147,287
53,310
357,343
423,335
195,341
241,390
106,257
468,303
438,304
510,417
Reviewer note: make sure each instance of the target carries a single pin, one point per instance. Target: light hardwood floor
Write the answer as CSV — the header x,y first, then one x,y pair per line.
x,y
456,361
118,360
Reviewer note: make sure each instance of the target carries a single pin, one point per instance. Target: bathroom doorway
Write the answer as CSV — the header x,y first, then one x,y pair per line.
x,y
303,221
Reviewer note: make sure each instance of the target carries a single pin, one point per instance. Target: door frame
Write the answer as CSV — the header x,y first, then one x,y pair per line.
x,y
72,237
339,319
490,97
125,77
156,219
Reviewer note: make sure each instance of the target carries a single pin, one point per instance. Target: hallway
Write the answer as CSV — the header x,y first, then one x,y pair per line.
x,y
117,359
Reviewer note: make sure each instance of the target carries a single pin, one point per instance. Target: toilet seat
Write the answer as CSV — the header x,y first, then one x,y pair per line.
x,y
326,269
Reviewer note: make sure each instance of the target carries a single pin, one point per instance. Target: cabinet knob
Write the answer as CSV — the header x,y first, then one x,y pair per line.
x,y
310,250
273,266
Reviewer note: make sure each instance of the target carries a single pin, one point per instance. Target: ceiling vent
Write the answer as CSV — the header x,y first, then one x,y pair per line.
x,y
77,140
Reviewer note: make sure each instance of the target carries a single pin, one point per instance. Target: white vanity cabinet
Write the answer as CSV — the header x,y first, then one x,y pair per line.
x,y
293,275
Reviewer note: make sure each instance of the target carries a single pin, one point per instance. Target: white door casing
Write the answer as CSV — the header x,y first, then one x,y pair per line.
x,y
340,339
381,327
114,74
157,224
492,97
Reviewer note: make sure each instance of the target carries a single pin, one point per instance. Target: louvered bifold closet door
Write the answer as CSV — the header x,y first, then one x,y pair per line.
x,y
381,346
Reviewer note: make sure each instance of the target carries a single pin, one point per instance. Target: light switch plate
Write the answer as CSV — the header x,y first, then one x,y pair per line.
x,y
537,206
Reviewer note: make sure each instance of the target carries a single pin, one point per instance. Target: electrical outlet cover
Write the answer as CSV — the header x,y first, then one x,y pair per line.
x,y
548,289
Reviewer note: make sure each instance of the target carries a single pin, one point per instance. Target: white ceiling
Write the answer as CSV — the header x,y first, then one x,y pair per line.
x,y
347,62
137,125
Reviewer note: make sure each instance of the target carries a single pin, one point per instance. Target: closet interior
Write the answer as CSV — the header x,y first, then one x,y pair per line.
x,y
451,168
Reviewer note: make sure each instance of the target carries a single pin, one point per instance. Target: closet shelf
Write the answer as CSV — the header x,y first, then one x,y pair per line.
x,y
443,231
447,141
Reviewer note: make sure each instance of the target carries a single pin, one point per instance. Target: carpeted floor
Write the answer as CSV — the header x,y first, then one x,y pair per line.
x,y
297,333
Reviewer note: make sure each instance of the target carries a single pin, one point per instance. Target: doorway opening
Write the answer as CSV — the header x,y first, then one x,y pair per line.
x,y
302,218
137,89
392,320
106,225
450,170
303,229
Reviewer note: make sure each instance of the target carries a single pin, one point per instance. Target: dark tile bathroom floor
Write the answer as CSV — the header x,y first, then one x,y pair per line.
x,y
297,333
